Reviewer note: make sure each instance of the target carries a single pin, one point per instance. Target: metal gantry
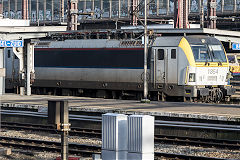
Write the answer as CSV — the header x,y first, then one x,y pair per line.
x,y
49,10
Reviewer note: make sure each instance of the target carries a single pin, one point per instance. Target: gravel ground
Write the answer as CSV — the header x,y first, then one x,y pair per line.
x,y
198,151
190,150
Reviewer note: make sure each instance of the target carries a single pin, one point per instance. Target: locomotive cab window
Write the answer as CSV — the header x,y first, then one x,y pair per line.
x,y
160,54
173,53
208,53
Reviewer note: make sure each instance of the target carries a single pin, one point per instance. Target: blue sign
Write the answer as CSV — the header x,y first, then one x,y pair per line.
x,y
235,46
12,43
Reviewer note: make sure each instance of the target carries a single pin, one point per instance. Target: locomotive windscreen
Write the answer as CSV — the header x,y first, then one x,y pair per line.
x,y
208,53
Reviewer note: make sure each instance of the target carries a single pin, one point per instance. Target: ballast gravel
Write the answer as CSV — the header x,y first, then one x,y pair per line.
x,y
35,155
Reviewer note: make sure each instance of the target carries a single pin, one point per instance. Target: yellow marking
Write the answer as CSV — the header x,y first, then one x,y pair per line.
x,y
211,64
188,51
186,77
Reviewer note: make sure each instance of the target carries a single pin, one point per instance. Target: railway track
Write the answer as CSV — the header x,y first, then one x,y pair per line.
x,y
158,123
90,133
79,149
226,144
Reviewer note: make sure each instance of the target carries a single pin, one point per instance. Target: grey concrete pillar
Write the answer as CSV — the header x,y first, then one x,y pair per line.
x,y
234,6
44,10
158,5
167,7
84,5
61,10
222,6
29,66
119,8
15,8
9,8
37,10
110,8
30,10
2,72
101,8
129,5
93,8
52,10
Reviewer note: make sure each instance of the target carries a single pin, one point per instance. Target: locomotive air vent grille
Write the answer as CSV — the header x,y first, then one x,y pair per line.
x,y
43,44
131,43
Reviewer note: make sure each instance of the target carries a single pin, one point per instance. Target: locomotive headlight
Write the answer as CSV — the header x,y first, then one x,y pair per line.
x,y
192,77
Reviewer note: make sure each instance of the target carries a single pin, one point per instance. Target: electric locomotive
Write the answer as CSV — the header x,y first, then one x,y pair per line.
x,y
188,67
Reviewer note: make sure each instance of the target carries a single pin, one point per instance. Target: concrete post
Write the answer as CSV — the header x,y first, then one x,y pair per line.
x,y
2,72
52,10
44,11
167,7
222,6
93,8
28,56
110,8
37,10
101,8
129,6
84,5
30,10
61,11
9,8
119,8
158,5
234,6
15,8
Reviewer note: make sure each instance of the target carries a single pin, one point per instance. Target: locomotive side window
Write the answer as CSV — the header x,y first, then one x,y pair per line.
x,y
9,53
173,54
231,58
161,54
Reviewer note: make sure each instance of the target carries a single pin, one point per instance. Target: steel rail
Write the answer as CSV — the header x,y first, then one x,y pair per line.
x,y
218,143
74,148
80,149
158,123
